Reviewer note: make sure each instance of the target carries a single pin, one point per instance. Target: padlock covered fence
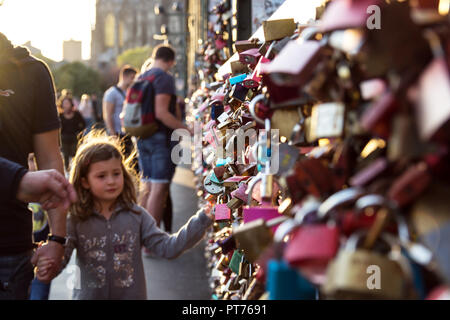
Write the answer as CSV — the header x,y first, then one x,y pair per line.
x,y
324,153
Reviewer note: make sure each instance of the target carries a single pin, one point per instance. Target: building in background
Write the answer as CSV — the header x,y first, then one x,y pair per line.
x,y
125,24
72,51
33,50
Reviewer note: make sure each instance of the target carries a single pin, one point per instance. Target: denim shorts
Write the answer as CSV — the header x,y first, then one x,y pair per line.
x,y
155,160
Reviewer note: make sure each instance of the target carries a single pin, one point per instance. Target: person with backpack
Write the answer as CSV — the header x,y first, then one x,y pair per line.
x,y
154,151
113,100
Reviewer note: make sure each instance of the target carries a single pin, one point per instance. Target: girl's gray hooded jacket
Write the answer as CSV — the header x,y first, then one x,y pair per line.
x,y
109,251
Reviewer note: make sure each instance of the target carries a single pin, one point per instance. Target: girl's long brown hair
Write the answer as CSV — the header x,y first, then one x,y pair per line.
x,y
94,147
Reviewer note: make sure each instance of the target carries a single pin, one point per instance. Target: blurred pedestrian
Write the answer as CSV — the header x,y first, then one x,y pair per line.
x,y
87,111
98,115
112,107
155,151
72,124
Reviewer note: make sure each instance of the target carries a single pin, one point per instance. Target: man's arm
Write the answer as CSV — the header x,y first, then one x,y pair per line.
x,y
11,174
162,113
108,116
48,156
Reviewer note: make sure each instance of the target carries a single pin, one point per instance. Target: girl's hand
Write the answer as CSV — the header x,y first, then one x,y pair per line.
x,y
44,265
207,209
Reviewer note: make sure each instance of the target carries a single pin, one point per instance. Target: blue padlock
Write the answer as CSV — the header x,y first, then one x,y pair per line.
x,y
237,79
222,162
286,283
417,276
217,109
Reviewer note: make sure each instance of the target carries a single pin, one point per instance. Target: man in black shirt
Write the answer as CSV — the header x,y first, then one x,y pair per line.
x,y
28,123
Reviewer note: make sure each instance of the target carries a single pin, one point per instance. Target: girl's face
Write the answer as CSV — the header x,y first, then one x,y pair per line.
x,y
104,180
66,105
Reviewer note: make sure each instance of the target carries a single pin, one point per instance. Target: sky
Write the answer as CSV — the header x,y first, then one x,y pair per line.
x,y
47,23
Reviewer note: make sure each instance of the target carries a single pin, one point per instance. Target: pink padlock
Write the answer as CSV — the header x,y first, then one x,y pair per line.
x,y
222,212
240,193
250,56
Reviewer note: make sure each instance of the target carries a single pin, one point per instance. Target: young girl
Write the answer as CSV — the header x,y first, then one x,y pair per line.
x,y
109,229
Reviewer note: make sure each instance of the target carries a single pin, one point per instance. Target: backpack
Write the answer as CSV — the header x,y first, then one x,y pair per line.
x,y
138,113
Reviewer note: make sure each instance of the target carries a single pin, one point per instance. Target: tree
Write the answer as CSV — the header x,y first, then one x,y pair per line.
x,y
134,57
77,77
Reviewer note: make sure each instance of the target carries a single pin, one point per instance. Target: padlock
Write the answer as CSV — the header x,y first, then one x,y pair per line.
x,y
243,45
254,236
221,210
237,79
327,121
309,176
416,251
250,57
234,181
238,67
239,92
366,175
211,187
285,119
348,276
227,244
313,245
235,261
245,268
259,108
217,109
433,107
294,65
252,81
278,29
311,248
346,14
375,118
410,184
283,281
219,172
403,51
240,194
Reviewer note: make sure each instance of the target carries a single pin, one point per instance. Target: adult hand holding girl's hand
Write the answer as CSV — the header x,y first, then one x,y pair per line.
x,y
48,259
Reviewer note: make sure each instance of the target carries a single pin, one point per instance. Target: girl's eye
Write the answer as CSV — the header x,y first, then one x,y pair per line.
x,y
101,176
117,174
